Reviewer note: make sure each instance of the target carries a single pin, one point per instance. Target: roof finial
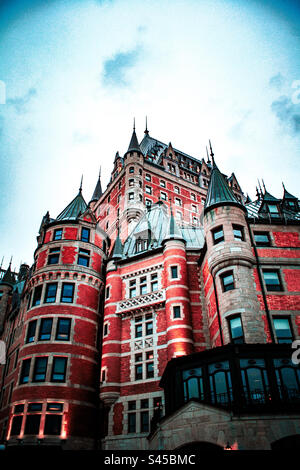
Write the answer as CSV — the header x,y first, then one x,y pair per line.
x,y
1,262
211,153
283,185
259,187
10,261
80,188
100,172
264,185
208,159
134,123
146,130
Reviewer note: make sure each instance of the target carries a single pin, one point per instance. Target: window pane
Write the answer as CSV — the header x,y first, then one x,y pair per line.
x,y
54,407
31,331
16,425
176,312
149,328
45,329
67,293
57,234
144,421
150,370
34,407
236,329
83,261
53,425
174,272
63,329
138,372
37,296
25,371
272,280
58,369
85,234
131,422
40,369
32,425
50,295
283,330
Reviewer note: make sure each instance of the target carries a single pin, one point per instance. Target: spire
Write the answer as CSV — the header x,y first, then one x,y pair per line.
x,y
211,154
98,189
76,207
9,277
80,187
219,193
134,145
208,159
173,231
146,129
118,247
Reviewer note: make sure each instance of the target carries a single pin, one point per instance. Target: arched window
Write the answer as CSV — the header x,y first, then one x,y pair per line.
x,y
220,383
255,380
193,384
288,379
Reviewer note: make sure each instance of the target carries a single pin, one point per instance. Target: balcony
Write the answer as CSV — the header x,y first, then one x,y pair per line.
x,y
142,302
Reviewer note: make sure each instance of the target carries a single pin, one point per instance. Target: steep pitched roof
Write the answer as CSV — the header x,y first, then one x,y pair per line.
x,y
219,192
117,252
8,277
97,191
157,220
134,145
76,207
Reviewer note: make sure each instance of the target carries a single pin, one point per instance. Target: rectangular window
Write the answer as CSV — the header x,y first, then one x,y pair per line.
x,y
53,257
272,280
67,293
24,378
37,296
40,369
55,407
19,408
154,282
105,329
236,330
32,425
162,183
63,329
176,190
148,190
163,196
218,235
149,370
50,295
138,371
145,421
57,234
194,208
107,291
227,281
59,369
148,202
45,329
283,330
131,196
174,272
176,311
131,423
178,201
131,169
143,286
147,177
83,257
262,239
35,407
31,331
273,209
85,234
16,425
238,232
53,425
132,289
138,331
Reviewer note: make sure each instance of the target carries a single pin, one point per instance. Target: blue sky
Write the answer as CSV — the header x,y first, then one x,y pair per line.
x,y
77,72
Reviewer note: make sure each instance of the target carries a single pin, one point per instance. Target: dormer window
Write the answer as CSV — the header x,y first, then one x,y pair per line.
x,y
273,210
141,245
292,205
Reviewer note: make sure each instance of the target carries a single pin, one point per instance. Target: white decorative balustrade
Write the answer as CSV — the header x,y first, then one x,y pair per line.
x,y
142,301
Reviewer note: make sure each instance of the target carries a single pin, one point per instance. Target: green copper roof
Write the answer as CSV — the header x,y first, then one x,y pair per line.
x,y
219,192
287,195
118,248
74,209
156,225
267,197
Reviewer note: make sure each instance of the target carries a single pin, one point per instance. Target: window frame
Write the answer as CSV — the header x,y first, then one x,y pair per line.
x,y
270,287
62,292
222,278
216,230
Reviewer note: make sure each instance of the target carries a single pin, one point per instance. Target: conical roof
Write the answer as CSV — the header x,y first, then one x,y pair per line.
x,y
134,145
9,277
118,247
219,193
173,229
74,209
98,191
